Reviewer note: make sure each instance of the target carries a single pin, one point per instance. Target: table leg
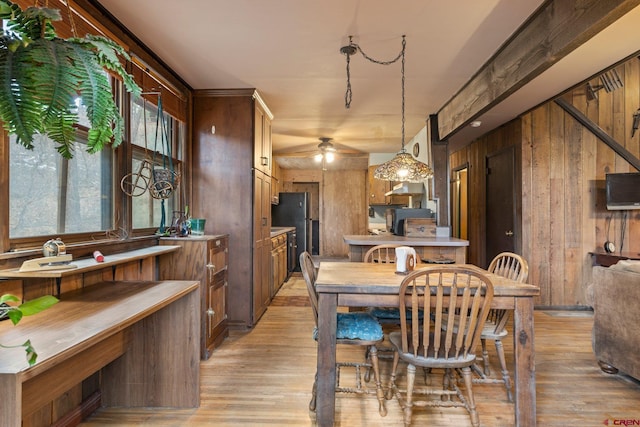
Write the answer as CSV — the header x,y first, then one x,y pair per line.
x,y
524,378
326,385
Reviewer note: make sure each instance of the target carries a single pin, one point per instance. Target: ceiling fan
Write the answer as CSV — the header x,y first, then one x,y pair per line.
x,y
323,153
326,153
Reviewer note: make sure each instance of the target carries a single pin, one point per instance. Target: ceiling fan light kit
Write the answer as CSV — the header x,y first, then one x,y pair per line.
x,y
326,154
403,167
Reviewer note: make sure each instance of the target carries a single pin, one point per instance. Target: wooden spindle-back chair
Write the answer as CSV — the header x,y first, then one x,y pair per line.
x,y
425,341
357,328
514,267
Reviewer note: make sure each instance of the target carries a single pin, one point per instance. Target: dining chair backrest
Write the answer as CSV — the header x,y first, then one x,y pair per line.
x,y
442,292
381,254
514,267
510,265
310,274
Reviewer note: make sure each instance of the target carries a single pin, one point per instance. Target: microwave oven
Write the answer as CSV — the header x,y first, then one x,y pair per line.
x,y
395,218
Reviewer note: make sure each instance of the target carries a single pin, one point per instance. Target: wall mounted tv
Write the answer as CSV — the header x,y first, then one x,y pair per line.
x,y
623,191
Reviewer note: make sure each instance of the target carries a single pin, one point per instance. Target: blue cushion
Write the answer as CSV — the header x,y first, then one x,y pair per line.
x,y
356,326
389,313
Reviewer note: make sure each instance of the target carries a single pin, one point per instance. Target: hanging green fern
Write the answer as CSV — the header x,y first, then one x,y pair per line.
x,y
41,75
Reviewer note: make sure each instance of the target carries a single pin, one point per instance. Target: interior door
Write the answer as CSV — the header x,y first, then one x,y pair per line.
x,y
500,218
459,203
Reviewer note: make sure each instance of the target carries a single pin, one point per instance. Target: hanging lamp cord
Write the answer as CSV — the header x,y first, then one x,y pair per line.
x,y
354,47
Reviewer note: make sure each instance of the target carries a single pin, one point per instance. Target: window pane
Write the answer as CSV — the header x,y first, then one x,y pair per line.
x,y
50,195
147,211
146,132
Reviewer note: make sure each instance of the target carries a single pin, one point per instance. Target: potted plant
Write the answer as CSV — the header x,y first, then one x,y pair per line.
x,y
42,75
15,313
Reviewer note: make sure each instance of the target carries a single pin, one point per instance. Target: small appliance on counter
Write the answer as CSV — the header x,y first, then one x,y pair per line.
x,y
396,218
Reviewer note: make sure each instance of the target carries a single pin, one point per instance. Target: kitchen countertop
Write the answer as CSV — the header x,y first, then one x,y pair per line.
x,y
276,231
391,239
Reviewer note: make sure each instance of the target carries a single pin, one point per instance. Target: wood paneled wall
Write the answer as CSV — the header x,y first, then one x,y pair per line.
x,y
342,204
563,167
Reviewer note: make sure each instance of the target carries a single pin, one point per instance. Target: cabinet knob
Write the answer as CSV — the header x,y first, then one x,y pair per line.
x,y
211,266
217,242
210,312
226,283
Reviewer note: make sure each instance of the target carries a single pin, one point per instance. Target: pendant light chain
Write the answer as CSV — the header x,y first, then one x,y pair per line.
x,y
404,45
348,94
351,49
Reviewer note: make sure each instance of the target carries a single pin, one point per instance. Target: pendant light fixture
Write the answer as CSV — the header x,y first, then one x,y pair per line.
x,y
403,167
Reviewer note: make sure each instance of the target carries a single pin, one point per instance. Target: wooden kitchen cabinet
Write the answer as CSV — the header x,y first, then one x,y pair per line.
x,y
232,167
378,188
205,259
262,245
278,262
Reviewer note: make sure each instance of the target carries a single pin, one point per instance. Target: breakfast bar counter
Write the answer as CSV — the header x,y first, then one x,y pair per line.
x,y
429,249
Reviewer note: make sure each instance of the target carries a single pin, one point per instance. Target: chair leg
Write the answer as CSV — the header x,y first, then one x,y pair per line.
x,y
408,408
373,353
468,383
505,372
312,403
392,377
485,358
427,376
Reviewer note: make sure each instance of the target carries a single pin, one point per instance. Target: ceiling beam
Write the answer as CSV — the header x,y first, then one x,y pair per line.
x,y
556,29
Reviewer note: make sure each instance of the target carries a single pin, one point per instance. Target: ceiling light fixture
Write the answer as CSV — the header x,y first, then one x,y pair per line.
x,y
326,154
403,167
610,81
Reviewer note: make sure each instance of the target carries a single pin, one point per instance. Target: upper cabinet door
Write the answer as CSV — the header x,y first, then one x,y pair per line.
x,y
262,132
377,189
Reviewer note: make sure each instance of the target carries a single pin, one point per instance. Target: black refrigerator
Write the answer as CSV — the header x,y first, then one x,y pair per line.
x,y
294,210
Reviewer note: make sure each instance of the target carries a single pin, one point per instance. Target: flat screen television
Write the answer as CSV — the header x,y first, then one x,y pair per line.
x,y
623,191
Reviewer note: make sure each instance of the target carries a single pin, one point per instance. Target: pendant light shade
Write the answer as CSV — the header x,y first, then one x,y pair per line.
x,y
403,167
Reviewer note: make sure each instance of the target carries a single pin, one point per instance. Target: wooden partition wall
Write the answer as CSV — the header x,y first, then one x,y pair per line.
x,y
563,167
343,204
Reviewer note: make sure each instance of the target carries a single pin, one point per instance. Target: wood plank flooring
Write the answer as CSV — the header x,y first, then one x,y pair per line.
x,y
263,378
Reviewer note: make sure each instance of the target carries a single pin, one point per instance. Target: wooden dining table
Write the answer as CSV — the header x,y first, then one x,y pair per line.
x,y
358,284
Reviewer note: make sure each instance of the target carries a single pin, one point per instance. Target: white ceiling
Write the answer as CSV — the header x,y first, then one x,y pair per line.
x,y
289,51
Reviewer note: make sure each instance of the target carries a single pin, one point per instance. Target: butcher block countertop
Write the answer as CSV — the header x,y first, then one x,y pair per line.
x,y
391,239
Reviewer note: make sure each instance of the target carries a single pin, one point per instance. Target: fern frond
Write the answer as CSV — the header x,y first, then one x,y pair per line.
x,y
20,113
95,92
107,54
61,129
32,23
55,87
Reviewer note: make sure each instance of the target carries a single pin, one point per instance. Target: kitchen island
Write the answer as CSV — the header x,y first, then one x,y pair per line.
x,y
429,249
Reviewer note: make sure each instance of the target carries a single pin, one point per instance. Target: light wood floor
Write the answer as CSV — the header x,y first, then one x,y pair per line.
x,y
263,378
